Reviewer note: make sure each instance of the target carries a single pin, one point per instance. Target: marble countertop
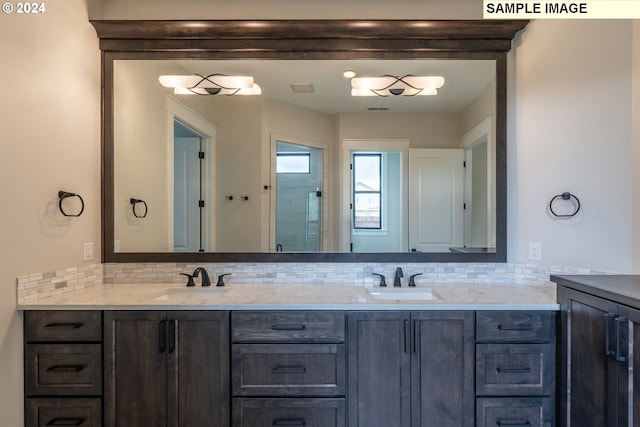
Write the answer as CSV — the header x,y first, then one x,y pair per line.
x,y
319,296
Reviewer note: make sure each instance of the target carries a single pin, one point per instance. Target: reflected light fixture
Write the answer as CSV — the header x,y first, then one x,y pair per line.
x,y
387,85
213,84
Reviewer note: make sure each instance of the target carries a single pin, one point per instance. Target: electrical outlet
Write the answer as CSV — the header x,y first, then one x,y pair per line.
x,y
535,251
87,251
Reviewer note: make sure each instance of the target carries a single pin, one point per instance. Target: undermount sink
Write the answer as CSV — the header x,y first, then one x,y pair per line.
x,y
190,294
395,293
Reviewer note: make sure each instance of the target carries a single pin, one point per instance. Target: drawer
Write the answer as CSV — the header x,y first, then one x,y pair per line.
x,y
514,369
289,412
63,411
514,412
515,326
288,326
63,326
288,370
63,369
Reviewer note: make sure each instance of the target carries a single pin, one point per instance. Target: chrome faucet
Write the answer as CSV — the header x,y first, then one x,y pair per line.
x,y
205,276
396,280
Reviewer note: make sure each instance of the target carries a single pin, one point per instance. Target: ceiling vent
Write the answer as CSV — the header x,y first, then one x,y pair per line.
x,y
302,87
378,108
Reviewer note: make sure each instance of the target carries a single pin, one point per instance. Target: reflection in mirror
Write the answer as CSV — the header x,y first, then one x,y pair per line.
x,y
211,168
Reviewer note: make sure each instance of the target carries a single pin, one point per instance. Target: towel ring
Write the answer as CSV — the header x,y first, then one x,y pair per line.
x,y
564,196
134,202
65,195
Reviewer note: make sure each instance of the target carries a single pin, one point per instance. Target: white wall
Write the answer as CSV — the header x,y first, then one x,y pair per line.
x,y
570,130
50,121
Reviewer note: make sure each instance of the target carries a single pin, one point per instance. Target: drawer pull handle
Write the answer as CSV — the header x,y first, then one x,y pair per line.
x,y
66,368
65,325
513,327
288,327
514,423
290,422
513,370
66,421
295,369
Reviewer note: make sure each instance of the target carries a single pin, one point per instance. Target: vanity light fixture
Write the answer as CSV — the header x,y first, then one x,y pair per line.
x,y
213,84
387,85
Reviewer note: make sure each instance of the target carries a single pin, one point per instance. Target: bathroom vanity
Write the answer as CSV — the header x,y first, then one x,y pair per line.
x,y
599,350
273,355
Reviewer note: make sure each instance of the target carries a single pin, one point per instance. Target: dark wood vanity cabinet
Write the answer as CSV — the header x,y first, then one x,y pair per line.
x,y
600,358
166,368
515,368
63,368
411,368
288,368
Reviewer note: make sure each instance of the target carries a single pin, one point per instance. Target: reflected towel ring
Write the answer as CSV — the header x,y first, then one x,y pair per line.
x,y
134,202
65,195
565,196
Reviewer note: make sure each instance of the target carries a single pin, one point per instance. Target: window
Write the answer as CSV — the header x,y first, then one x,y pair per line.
x,y
367,190
291,162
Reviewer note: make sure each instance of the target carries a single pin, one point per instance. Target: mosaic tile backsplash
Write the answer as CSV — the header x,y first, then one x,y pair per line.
x,y
35,286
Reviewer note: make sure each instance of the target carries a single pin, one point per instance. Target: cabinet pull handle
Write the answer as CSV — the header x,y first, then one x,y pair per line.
x,y
66,368
162,336
292,369
288,327
66,421
607,323
515,327
416,324
65,325
291,422
619,321
525,370
514,423
407,334
172,335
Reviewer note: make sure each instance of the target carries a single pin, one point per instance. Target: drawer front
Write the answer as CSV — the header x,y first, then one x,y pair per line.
x,y
288,370
65,411
288,412
63,326
288,326
63,369
514,369
515,326
514,412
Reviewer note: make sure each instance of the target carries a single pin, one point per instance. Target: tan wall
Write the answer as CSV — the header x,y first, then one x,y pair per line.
x,y
50,121
436,130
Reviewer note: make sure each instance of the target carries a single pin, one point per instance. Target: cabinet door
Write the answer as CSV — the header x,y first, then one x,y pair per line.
x,y
198,368
135,368
443,369
379,369
629,368
588,374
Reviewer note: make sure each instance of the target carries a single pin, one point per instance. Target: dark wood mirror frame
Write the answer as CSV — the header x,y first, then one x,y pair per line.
x,y
304,39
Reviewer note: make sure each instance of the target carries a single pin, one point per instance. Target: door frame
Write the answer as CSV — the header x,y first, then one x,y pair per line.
x,y
207,131
347,145
481,132
324,211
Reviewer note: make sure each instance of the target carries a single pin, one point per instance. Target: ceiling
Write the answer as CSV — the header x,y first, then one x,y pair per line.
x,y
464,81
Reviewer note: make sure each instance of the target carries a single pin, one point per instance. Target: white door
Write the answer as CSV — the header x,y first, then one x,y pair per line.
x,y
436,180
186,194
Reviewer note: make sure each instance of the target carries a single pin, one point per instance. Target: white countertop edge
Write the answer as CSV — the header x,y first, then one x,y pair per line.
x,y
295,297
387,306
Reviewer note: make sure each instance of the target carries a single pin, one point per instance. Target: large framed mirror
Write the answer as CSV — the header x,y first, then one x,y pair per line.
x,y
304,170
